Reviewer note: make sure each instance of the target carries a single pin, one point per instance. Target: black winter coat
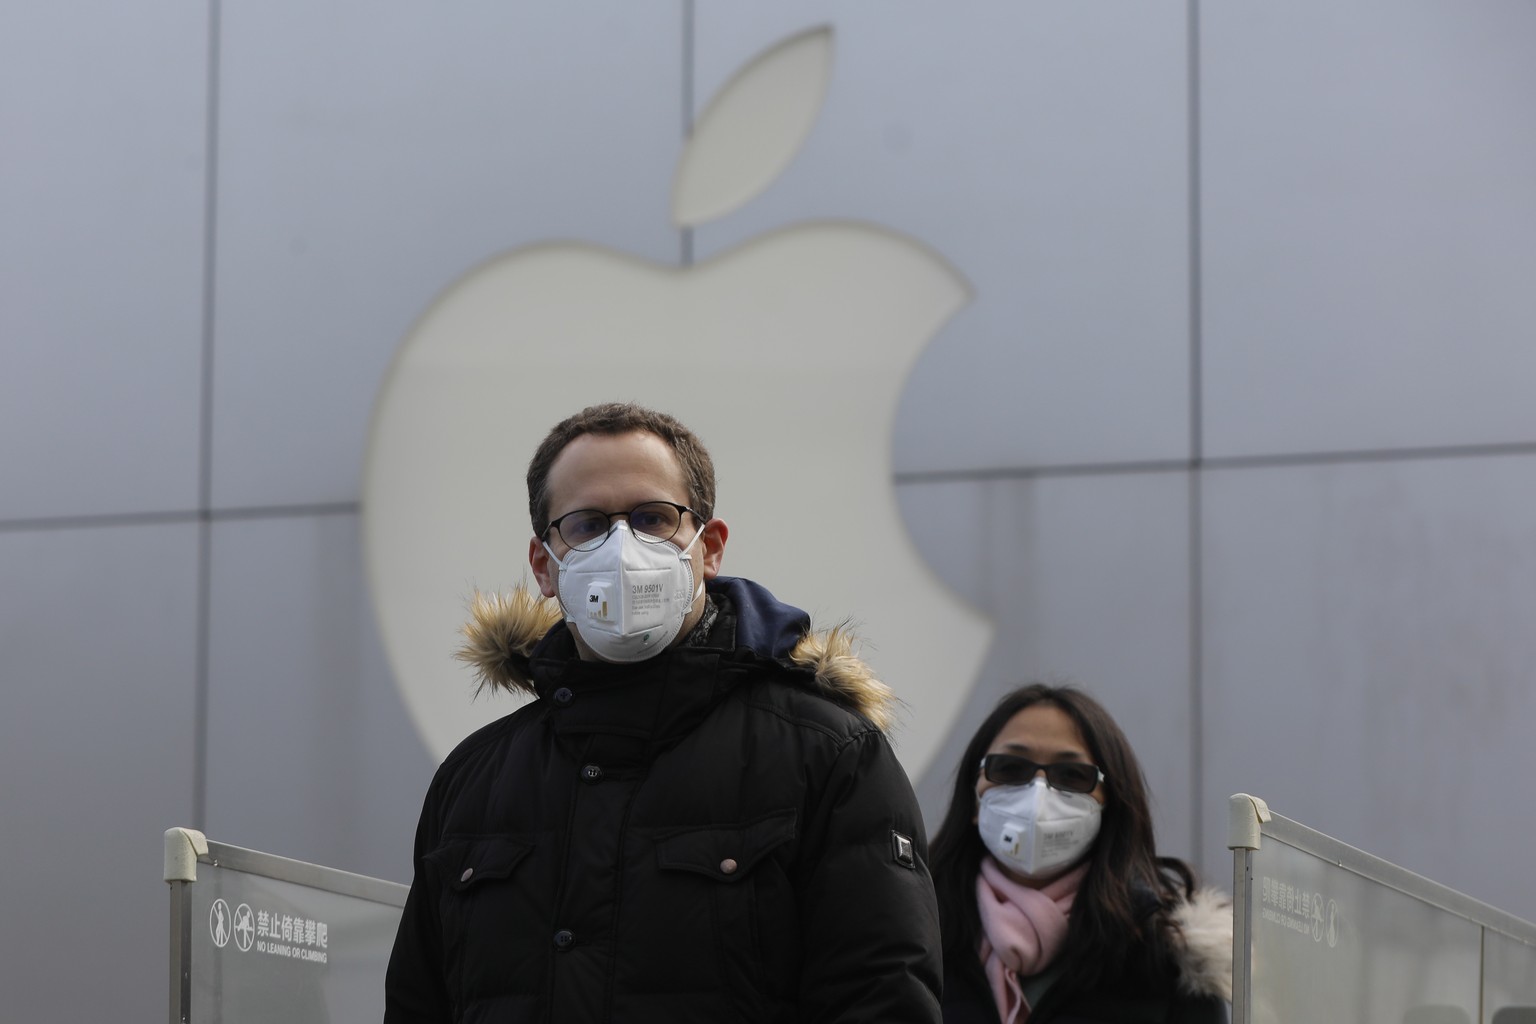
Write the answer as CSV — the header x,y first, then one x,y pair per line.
x,y
720,833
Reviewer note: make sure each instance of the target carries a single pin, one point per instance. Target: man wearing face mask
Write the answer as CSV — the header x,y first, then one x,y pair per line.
x,y
698,817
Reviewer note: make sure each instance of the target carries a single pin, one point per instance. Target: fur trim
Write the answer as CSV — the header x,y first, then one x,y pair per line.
x,y
844,677
1205,957
503,628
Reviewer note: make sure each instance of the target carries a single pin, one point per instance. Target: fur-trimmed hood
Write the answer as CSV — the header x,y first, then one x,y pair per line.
x,y
1205,955
507,630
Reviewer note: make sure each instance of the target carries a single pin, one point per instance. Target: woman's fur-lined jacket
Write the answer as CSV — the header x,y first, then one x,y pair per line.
x,y
720,832
1198,995
1205,953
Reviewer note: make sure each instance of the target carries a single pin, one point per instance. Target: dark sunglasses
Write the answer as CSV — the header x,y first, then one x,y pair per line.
x,y
1068,776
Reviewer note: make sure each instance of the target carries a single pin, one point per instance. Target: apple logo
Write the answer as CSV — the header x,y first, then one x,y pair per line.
x,y
785,354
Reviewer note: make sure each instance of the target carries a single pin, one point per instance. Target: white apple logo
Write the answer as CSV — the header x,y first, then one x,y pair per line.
x,y
786,355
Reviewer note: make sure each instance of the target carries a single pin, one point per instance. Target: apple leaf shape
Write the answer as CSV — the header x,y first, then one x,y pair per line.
x,y
752,128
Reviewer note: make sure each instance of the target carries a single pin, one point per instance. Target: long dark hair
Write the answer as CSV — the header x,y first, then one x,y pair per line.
x,y
1119,922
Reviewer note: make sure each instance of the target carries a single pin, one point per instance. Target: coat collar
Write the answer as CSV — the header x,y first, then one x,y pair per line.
x,y
514,640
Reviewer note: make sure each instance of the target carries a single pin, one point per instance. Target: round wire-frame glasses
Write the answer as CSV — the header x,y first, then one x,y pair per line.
x,y
651,521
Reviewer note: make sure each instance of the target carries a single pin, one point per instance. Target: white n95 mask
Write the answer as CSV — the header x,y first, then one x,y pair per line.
x,y
627,598
1036,830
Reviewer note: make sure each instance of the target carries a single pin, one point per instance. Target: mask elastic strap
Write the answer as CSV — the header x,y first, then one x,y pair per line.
x,y
561,565
552,556
696,535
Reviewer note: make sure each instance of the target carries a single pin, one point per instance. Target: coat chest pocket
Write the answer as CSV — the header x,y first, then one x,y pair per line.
x,y
464,863
480,885
726,853
752,911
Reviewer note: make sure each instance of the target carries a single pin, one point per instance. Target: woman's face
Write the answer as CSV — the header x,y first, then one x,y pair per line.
x,y
1045,734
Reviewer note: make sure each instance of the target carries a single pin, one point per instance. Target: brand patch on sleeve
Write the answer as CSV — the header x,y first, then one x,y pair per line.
x,y
902,851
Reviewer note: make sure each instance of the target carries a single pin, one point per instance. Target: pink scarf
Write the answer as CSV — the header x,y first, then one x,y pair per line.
x,y
1022,930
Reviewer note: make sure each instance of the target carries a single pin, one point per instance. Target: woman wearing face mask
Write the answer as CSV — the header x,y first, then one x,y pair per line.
x,y
1053,903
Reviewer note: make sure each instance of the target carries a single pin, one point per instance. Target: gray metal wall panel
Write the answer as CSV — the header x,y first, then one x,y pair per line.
x,y
310,752
1368,210
1368,658
1042,150
102,109
97,737
398,148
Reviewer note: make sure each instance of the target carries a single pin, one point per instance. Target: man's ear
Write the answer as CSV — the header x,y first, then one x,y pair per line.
x,y
544,568
712,547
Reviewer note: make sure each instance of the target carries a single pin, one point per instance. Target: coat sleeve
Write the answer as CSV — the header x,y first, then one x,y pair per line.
x,y
1199,1010
870,923
414,988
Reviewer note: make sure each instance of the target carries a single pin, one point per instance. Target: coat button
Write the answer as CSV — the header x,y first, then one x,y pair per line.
x,y
564,940
564,696
728,866
468,873
592,773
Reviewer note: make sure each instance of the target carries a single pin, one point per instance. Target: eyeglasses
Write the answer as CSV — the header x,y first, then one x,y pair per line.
x,y
651,521
1067,776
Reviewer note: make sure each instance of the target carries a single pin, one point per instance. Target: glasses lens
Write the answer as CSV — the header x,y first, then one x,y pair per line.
x,y
1007,770
1068,776
655,521
1072,777
584,530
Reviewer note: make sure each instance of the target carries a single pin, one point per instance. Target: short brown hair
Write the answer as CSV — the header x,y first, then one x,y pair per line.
x,y
613,418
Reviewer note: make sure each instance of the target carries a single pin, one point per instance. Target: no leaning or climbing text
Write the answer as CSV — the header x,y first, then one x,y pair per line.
x,y
269,932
